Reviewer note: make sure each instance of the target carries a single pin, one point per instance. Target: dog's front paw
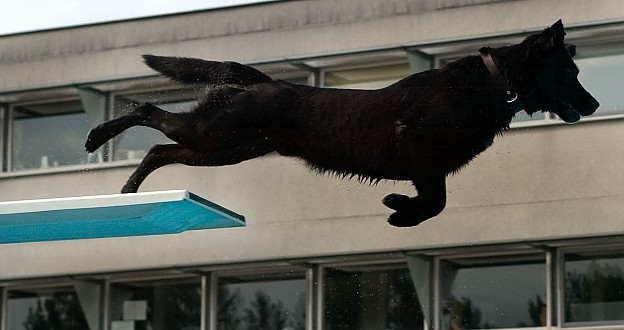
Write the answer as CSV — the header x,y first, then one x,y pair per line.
x,y
406,219
396,201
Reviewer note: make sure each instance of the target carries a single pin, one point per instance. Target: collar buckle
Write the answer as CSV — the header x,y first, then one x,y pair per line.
x,y
511,97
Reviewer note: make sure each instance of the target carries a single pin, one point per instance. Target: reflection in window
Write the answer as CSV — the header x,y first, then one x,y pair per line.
x,y
594,288
367,78
136,141
525,117
172,304
371,299
479,294
601,76
50,135
267,305
56,308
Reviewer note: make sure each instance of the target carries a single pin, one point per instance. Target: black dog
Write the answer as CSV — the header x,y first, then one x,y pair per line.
x,y
421,128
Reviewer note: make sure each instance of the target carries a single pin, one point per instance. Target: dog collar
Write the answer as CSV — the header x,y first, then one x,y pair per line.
x,y
512,97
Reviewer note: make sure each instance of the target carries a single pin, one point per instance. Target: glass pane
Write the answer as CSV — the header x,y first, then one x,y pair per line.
x,y
369,78
601,76
136,141
490,295
380,299
267,305
50,135
54,309
594,288
157,306
524,117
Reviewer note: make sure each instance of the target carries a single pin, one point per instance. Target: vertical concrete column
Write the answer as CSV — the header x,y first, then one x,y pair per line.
x,y
90,298
421,271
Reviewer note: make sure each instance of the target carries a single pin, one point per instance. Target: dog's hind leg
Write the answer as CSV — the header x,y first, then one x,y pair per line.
x,y
215,115
165,154
411,211
177,126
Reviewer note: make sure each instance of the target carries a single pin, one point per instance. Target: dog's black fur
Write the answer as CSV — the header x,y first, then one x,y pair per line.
x,y
419,129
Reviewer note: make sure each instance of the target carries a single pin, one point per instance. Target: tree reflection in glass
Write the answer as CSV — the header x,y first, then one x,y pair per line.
x,y
270,305
594,288
360,298
493,293
54,310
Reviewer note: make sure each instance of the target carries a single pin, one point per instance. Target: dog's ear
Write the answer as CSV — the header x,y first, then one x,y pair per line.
x,y
552,36
571,49
547,40
558,32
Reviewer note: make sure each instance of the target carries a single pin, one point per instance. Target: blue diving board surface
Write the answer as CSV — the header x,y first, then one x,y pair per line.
x,y
148,213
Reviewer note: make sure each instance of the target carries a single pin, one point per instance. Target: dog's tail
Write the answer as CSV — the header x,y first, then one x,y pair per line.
x,y
196,71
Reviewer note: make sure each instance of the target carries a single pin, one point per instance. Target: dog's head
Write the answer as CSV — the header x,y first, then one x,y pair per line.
x,y
549,76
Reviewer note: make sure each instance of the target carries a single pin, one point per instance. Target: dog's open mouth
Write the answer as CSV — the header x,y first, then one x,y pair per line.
x,y
572,112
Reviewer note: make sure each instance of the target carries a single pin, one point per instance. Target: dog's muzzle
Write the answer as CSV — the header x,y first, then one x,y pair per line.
x,y
571,112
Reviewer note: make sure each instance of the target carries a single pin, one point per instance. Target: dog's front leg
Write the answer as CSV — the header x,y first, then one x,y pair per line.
x,y
411,211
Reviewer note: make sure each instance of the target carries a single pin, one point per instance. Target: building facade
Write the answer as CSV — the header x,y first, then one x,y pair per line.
x,y
531,237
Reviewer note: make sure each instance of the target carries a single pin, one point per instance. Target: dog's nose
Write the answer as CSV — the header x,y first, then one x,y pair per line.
x,y
587,105
590,106
594,104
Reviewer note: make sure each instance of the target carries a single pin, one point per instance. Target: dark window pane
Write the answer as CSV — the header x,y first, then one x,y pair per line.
x,y
379,299
55,310
594,288
267,305
157,306
493,295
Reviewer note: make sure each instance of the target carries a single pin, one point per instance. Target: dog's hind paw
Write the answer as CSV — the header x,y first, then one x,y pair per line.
x,y
396,201
406,219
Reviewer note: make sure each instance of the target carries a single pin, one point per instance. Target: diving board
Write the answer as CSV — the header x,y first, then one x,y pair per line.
x,y
119,215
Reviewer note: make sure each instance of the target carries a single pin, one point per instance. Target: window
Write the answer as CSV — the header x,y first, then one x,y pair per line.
x,y
370,298
50,308
51,135
136,141
594,287
272,304
601,76
366,78
485,293
524,119
166,304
